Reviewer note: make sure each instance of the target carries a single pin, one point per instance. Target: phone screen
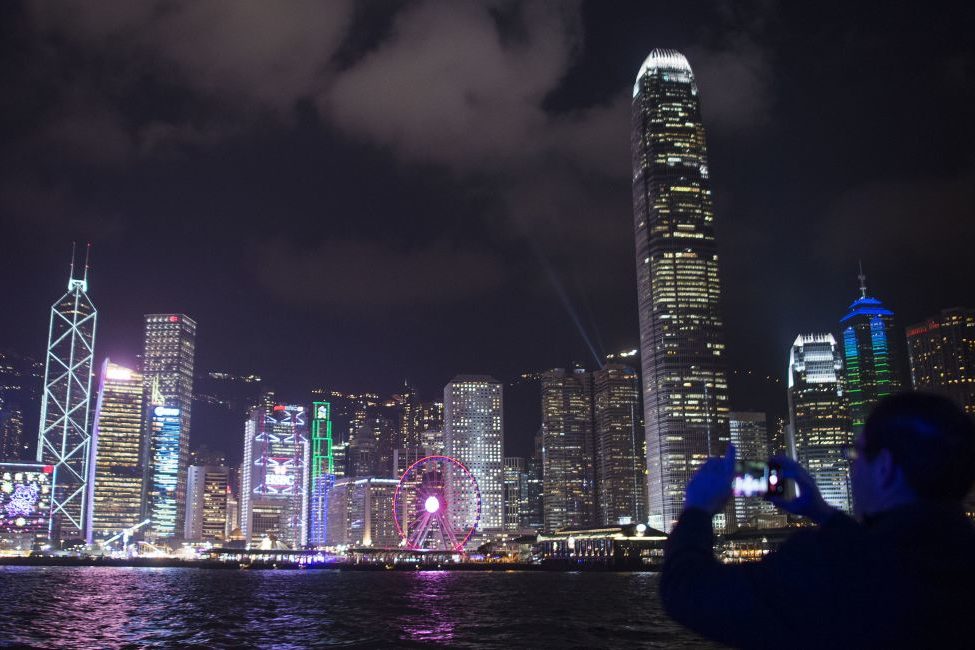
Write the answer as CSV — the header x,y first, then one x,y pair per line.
x,y
755,478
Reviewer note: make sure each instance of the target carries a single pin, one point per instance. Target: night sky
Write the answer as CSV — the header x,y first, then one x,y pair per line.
x,y
354,193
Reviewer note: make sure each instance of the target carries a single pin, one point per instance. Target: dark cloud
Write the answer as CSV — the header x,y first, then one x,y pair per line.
x,y
344,273
921,223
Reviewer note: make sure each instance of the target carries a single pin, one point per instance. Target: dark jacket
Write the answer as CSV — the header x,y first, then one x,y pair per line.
x,y
906,578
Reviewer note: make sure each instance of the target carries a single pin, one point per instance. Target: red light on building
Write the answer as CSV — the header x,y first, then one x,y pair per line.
x,y
48,469
923,329
279,407
174,319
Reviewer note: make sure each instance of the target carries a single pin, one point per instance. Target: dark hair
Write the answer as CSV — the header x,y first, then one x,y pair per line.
x,y
930,438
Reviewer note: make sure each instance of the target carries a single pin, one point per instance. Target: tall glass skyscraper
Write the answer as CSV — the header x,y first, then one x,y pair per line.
x,y
872,352
118,474
64,439
685,386
474,435
567,449
170,346
820,426
165,429
621,485
273,493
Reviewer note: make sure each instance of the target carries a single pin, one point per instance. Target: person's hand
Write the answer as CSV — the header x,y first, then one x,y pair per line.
x,y
808,502
710,487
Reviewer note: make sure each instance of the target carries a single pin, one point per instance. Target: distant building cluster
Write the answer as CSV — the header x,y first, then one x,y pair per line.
x,y
113,466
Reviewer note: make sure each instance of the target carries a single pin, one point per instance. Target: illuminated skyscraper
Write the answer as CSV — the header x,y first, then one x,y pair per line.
x,y
322,472
567,443
21,383
273,494
206,503
165,434
474,435
942,355
360,513
170,345
515,494
64,439
685,387
118,485
871,351
820,425
621,483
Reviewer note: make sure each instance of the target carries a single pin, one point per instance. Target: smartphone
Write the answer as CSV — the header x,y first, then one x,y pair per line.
x,y
755,478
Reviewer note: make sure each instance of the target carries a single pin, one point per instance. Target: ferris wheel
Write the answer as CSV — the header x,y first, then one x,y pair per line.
x,y
437,504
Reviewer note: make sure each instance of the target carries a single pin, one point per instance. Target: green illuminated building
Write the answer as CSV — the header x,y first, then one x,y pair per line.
x,y
322,475
871,354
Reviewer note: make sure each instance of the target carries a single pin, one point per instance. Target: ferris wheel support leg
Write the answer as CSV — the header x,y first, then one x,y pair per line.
x,y
419,535
447,531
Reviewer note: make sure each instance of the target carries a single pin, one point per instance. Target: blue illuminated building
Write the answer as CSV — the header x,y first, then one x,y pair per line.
x,y
871,354
166,428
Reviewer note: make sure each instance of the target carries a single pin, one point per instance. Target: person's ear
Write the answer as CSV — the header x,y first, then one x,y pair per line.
x,y
884,469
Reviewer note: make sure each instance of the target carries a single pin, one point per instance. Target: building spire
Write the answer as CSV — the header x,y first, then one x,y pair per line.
x,y
71,270
863,281
87,255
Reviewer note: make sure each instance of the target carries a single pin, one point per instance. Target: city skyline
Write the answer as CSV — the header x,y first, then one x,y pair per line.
x,y
156,189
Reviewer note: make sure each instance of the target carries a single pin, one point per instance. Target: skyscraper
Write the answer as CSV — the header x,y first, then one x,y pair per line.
x,y
273,494
942,355
322,471
820,425
118,485
567,443
474,435
64,439
164,436
621,483
206,503
170,345
515,493
685,386
21,384
872,354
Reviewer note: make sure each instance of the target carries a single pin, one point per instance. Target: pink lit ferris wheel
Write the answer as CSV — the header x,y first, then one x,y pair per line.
x,y
437,504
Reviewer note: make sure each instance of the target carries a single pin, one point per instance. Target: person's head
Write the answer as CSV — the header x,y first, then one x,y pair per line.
x,y
914,446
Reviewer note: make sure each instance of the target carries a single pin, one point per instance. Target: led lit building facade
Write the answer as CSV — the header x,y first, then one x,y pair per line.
x,y
820,425
25,505
360,513
206,503
872,354
620,460
170,348
273,494
474,435
942,355
322,472
64,439
165,439
567,449
685,387
118,485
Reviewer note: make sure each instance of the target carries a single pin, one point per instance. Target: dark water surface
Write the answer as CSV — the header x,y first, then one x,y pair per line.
x,y
107,607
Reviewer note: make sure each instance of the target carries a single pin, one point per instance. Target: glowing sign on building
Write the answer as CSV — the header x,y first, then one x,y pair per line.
x,y
25,498
166,426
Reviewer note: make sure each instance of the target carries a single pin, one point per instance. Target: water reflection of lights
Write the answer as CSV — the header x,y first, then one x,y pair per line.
x,y
437,616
